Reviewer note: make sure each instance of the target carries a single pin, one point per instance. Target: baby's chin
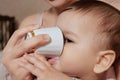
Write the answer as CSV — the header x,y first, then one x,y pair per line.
x,y
55,62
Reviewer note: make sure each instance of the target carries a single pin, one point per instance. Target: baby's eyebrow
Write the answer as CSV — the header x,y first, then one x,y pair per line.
x,y
70,33
68,8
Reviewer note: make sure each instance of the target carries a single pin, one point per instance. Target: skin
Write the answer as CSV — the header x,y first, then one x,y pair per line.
x,y
115,3
16,41
79,45
80,38
42,69
49,19
59,5
50,16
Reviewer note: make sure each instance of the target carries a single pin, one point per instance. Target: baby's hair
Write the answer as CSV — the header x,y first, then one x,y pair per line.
x,y
109,21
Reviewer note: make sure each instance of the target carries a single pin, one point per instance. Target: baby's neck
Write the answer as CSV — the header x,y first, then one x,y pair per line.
x,y
94,77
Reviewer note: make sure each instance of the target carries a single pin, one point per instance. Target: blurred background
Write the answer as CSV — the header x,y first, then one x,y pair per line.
x,y
12,12
22,8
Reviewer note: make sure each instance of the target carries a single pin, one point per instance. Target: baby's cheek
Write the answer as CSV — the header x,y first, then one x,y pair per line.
x,y
72,66
65,65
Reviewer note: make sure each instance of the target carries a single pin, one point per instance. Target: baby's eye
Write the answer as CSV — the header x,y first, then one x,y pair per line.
x,y
68,40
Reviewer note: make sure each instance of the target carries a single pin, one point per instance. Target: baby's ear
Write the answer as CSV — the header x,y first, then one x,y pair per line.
x,y
104,60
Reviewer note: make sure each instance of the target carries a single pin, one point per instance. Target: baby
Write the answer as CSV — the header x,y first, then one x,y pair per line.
x,y
92,44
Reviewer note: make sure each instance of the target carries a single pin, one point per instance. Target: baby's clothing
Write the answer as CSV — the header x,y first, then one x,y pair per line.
x,y
110,74
3,72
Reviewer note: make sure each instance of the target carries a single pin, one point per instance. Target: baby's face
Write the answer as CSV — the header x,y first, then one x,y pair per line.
x,y
79,54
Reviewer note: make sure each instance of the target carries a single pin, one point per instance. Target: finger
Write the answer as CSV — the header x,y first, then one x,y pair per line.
x,y
27,45
22,59
35,62
42,59
20,33
29,77
31,68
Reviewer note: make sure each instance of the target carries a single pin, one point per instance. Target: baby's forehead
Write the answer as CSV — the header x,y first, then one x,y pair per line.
x,y
71,20
71,16
79,14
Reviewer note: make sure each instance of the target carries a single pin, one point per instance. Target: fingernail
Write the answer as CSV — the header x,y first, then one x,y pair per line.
x,y
35,54
24,55
37,25
45,36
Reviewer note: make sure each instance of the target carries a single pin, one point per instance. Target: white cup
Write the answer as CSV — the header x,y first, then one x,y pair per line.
x,y
55,47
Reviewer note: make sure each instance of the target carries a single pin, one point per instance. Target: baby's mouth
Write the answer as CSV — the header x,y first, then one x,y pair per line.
x,y
53,60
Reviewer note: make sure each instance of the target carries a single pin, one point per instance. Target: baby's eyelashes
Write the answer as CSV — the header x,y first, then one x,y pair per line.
x,y
68,40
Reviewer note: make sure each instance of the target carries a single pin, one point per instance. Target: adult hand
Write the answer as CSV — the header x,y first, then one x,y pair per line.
x,y
17,47
39,67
